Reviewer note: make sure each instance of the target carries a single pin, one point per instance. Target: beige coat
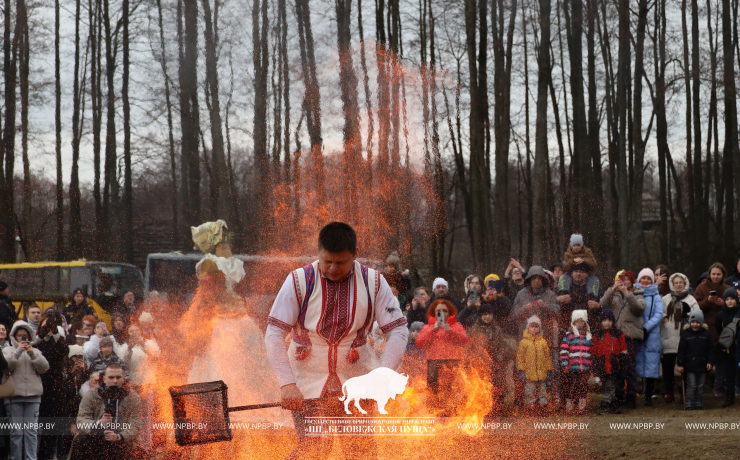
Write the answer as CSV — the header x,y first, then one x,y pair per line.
x,y
627,310
129,413
25,368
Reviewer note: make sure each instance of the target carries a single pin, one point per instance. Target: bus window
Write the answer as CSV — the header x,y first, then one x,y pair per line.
x,y
51,280
29,281
114,281
173,276
80,277
8,275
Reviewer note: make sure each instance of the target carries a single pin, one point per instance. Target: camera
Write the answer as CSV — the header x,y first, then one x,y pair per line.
x,y
440,316
712,292
473,295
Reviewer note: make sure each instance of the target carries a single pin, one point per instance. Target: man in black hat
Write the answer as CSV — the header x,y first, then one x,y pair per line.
x,y
579,290
8,315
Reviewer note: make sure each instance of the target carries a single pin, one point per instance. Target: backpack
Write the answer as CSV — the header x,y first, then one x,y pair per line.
x,y
728,335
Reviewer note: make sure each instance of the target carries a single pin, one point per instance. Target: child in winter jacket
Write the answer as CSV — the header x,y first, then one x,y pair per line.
x,y
695,353
534,361
575,360
493,349
106,357
577,253
610,353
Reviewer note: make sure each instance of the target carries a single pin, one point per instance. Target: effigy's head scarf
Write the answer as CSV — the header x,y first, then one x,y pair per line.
x,y
207,236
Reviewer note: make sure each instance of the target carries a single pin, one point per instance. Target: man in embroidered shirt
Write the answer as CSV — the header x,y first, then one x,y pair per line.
x,y
330,306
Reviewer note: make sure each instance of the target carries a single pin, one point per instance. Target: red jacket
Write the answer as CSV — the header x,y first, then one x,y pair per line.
x,y
442,344
609,346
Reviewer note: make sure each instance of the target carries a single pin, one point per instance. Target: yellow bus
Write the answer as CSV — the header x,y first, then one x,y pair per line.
x,y
51,283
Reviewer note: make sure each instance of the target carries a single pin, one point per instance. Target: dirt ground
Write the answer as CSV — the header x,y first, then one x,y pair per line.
x,y
657,432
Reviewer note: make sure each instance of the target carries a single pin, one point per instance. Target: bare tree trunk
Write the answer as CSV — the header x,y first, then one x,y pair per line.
x,y
698,213
260,27
541,153
128,193
621,97
170,135
189,111
111,219
350,108
223,205
58,131
581,179
368,99
312,97
638,141
731,151
75,208
662,123
528,150
94,14
502,124
595,198
10,51
25,55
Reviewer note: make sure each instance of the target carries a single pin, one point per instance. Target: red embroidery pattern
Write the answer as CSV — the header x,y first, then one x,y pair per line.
x,y
393,324
335,319
279,324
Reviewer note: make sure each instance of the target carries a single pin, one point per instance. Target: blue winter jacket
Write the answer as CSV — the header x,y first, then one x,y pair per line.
x,y
648,353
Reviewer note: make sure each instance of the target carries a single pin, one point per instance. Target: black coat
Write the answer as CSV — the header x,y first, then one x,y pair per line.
x,y
723,319
420,314
52,401
7,313
76,312
695,349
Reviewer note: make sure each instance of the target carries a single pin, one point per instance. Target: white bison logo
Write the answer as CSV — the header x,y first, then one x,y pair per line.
x,y
380,384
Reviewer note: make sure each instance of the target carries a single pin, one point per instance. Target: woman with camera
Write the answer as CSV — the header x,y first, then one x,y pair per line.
x,y
53,346
26,364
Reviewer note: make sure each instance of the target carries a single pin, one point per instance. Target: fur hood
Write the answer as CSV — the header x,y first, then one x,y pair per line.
x,y
21,325
685,280
687,326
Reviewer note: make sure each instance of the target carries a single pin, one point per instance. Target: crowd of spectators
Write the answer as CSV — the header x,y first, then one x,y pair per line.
x,y
63,367
548,336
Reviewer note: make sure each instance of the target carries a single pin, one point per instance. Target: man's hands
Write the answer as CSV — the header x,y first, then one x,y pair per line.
x,y
441,324
564,299
25,346
592,304
680,368
112,436
106,419
291,397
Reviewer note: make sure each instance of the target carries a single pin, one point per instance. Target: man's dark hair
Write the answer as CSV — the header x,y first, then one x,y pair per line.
x,y
553,267
338,237
113,366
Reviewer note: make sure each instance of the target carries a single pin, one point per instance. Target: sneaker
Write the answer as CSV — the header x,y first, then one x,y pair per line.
x,y
582,404
654,397
603,409
568,406
597,381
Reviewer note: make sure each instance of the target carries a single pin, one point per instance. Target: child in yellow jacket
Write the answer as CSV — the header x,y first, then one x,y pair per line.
x,y
534,361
